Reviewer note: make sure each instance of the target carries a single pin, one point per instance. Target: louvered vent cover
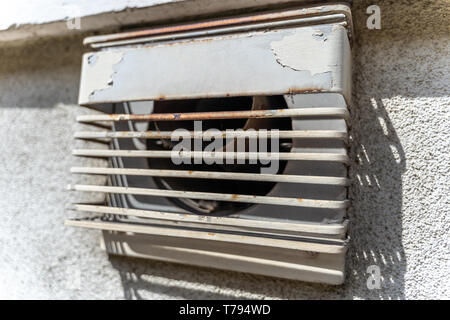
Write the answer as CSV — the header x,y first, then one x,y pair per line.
x,y
240,79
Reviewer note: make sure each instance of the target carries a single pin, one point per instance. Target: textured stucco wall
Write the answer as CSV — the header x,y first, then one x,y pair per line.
x,y
400,143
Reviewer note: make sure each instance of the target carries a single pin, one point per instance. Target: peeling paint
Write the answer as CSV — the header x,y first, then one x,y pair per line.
x,y
282,55
92,59
318,34
302,51
102,70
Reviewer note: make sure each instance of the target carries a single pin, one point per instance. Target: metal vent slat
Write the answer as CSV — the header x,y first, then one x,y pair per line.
x,y
282,201
337,18
212,155
154,218
214,175
281,134
219,115
238,24
323,230
253,240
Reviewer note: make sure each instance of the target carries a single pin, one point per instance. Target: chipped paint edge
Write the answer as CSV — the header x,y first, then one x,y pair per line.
x,y
101,74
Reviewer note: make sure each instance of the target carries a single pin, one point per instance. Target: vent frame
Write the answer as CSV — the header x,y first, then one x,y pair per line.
x,y
320,246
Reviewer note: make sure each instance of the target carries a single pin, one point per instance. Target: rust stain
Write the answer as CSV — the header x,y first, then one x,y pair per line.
x,y
234,196
295,90
200,115
299,199
169,44
274,16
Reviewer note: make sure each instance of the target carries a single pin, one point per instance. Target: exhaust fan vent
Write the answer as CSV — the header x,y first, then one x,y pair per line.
x,y
226,142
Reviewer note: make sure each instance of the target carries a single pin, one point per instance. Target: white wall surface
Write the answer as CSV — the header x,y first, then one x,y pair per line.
x,y
21,12
400,176
24,19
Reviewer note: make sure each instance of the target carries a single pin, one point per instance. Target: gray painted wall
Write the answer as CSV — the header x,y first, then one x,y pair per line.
x,y
400,176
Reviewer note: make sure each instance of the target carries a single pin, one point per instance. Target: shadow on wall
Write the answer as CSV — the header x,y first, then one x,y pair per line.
x,y
376,196
400,60
45,70
148,279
